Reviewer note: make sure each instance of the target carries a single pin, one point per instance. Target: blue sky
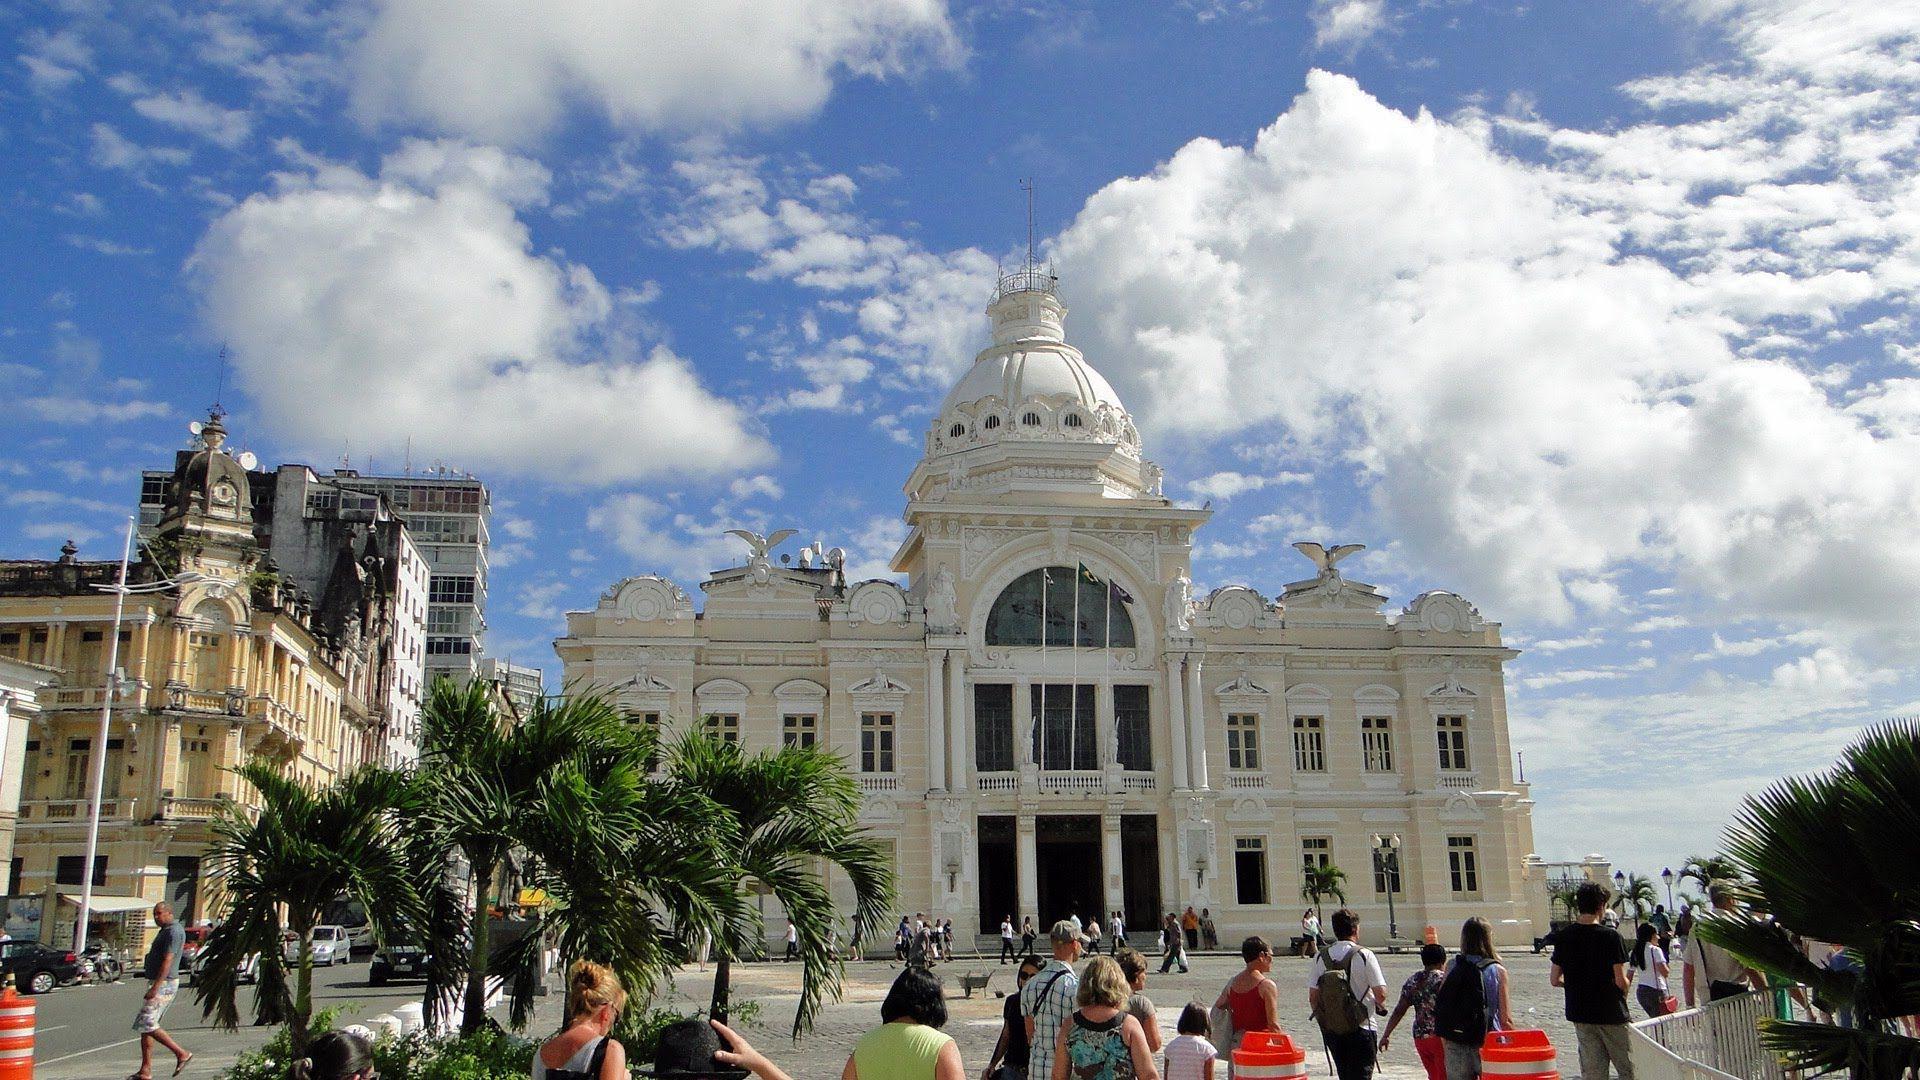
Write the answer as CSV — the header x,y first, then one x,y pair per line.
x,y
1600,314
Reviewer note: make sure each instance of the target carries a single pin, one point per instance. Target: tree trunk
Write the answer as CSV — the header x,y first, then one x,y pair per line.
x,y
722,986
474,1011
300,1025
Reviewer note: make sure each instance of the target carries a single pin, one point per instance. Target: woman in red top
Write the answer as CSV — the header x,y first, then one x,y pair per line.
x,y
1250,998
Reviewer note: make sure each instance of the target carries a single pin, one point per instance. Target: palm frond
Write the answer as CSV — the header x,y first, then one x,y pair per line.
x,y
1819,1049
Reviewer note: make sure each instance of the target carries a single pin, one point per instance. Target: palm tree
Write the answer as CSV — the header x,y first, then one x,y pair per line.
x,y
793,813
1709,870
1319,883
1637,897
1836,857
1563,895
564,795
306,847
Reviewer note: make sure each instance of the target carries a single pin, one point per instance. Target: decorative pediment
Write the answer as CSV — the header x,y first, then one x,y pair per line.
x,y
1441,612
716,691
1376,694
877,601
1240,687
1235,607
800,690
1332,593
1307,694
646,598
880,684
1461,806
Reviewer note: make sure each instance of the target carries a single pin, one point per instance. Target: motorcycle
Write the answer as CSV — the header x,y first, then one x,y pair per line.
x,y
101,965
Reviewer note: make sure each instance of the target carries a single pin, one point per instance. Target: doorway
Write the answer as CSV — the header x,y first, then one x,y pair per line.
x,y
1140,870
1069,871
999,874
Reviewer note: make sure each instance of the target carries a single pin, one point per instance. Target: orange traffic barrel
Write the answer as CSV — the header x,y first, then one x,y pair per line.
x,y
1518,1055
1264,1054
16,1035
1433,936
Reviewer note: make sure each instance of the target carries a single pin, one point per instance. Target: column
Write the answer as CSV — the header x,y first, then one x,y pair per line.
x,y
1110,865
936,723
1027,858
1023,721
142,643
1196,725
1106,751
1177,723
960,721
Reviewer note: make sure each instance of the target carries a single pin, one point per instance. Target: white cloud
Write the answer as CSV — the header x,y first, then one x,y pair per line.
x,y
54,61
1530,404
191,113
412,305
67,409
748,487
1225,485
1658,622
874,542
1346,24
491,70
112,150
59,530
663,540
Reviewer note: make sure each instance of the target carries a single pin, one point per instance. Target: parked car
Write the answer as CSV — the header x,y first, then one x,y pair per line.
x,y
360,935
195,941
36,968
330,946
247,972
403,961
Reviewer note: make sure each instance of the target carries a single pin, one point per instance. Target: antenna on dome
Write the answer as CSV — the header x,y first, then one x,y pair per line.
x,y
220,382
1026,185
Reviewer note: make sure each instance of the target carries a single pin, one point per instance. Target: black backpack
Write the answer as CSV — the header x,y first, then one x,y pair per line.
x,y
1460,1008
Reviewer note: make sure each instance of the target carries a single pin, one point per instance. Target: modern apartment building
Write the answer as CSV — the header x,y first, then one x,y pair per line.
x,y
519,687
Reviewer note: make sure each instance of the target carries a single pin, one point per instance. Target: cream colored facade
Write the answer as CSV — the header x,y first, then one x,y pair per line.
x,y
1045,719
219,671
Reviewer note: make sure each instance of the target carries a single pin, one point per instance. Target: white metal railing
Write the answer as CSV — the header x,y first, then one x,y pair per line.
x,y
1719,1039
999,782
1459,781
1073,781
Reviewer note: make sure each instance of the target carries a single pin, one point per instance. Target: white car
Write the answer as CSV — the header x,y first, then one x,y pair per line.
x,y
331,946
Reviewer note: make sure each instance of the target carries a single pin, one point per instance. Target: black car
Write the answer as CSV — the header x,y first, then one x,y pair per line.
x,y
37,968
397,962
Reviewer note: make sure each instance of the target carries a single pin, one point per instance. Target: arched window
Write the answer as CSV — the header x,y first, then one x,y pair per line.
x,y
992,422
1065,594
1031,419
956,431
1074,420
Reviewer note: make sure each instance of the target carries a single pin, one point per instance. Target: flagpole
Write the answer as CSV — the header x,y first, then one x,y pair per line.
x,y
1040,722
1073,680
1106,667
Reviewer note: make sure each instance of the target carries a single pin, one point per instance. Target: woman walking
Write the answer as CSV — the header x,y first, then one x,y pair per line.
x,y
1173,949
1250,1000
1133,967
1100,1041
1009,1058
1650,985
1310,934
582,1050
1477,951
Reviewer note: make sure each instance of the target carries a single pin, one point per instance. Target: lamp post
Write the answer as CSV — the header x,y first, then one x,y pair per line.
x,y
1666,875
1386,852
115,684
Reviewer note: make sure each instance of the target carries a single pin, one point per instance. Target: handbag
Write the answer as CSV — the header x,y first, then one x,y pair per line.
x,y
1669,1005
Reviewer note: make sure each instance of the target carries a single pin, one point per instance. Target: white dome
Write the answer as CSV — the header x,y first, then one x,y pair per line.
x,y
1053,372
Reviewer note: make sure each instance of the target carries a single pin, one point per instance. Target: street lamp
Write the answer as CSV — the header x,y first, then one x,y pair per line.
x,y
115,684
1666,875
1386,854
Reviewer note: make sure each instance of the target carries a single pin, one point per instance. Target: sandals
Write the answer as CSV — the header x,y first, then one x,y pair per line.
x,y
180,1066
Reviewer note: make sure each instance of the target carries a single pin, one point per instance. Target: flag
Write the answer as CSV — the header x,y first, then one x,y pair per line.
x,y
1116,593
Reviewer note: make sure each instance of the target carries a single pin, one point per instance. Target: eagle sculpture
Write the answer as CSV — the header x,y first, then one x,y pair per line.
x,y
1324,557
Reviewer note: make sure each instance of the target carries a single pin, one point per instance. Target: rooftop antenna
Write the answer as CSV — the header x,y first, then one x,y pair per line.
x,y
220,383
407,470
1026,185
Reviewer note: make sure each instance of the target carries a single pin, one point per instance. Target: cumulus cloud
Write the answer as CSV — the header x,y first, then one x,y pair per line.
x,y
662,539
1346,24
412,304
1531,403
500,71
1226,484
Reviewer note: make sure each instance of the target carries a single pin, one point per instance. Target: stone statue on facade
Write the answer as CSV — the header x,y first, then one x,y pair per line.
x,y
1326,558
943,603
1180,605
758,566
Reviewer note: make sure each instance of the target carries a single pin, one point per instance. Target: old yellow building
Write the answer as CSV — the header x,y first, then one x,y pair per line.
x,y
224,667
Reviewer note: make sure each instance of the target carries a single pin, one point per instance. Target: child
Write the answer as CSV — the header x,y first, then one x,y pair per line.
x,y
1190,1056
1419,994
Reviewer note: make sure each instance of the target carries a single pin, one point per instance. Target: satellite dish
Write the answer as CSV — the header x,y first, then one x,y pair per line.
x,y
196,427
247,460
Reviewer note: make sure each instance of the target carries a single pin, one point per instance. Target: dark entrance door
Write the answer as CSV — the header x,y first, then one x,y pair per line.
x,y
999,877
183,887
1067,852
1140,870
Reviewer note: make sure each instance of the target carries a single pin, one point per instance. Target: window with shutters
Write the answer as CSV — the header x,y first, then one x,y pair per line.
x,y
798,730
1316,851
993,727
1309,744
724,727
1243,741
1453,742
1133,727
1376,743
876,742
1463,866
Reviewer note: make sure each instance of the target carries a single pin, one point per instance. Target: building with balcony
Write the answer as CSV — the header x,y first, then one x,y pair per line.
x,y
519,688
236,664
1046,720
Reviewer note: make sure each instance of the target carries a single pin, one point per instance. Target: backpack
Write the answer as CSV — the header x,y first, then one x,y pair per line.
x,y
1340,1012
1460,1009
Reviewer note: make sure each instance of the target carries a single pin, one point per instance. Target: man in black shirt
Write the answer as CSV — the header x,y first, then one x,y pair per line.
x,y
1009,1059
1590,962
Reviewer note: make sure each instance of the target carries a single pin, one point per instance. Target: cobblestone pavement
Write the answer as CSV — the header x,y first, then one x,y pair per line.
x,y
975,1022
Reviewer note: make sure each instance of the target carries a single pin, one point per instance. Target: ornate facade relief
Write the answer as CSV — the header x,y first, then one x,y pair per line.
x,y
1442,612
646,598
877,601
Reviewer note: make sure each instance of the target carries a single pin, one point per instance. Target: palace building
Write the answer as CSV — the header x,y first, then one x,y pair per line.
x,y
1045,719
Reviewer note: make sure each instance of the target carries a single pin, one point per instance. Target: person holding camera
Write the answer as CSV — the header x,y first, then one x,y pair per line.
x,y
1347,992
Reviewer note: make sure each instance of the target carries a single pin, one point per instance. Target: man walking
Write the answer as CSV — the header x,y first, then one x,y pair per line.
x,y
793,942
1725,976
1117,925
1590,962
162,972
1347,992
1174,949
1048,999
1006,939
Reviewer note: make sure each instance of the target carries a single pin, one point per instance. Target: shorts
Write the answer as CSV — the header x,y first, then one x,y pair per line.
x,y
1433,1055
147,1020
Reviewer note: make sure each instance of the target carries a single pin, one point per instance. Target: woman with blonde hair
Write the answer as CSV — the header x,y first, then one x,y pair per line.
x,y
1101,1041
583,1050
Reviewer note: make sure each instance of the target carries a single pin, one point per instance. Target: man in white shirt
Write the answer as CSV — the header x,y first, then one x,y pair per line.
x,y
1117,931
1006,939
1353,1052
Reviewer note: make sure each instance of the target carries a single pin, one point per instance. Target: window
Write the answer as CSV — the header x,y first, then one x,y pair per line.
x,y
1463,864
993,727
1133,728
444,646
1243,741
1309,744
798,730
1074,420
1098,608
1316,851
1063,729
67,870
79,779
1031,419
991,423
1453,742
956,431
1376,743
14,875
876,742
724,726
1250,869
203,650
196,756
447,621
1386,873
450,589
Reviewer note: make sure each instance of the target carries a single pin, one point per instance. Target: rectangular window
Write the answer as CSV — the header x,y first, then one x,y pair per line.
x,y
876,742
1309,744
1243,741
204,657
993,727
67,870
1133,728
449,646
1386,873
798,730
450,589
1250,869
724,726
1463,865
1376,743
78,775
1453,742
1316,851
1063,730
14,875
196,756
